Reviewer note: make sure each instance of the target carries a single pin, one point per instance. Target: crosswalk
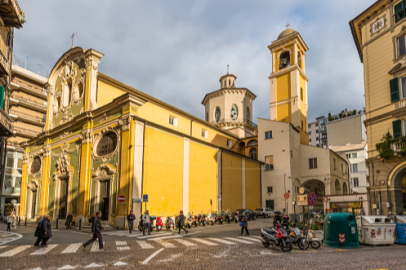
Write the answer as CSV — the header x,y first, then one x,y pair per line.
x,y
11,251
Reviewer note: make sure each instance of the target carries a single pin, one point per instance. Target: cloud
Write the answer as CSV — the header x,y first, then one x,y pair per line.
x,y
178,50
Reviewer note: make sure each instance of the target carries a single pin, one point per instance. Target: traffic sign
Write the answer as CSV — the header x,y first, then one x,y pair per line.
x,y
145,198
137,201
286,195
325,199
312,199
121,199
302,200
219,197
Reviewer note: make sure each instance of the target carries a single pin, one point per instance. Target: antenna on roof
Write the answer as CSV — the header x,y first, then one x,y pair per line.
x,y
228,67
25,63
39,67
73,35
76,38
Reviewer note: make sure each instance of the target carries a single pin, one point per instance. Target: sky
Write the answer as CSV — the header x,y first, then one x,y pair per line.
x,y
177,50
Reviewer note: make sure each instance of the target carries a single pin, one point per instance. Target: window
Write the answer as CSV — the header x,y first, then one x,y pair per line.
x,y
401,46
354,155
355,182
10,162
269,163
248,114
310,133
309,125
107,144
348,156
302,125
354,168
397,128
317,131
310,140
173,121
301,94
36,165
268,135
284,60
297,189
253,153
270,189
317,124
313,163
400,11
19,163
252,143
229,143
205,133
318,138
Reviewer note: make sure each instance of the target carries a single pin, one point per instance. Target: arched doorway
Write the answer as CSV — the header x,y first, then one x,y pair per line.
x,y
337,187
400,192
317,187
345,189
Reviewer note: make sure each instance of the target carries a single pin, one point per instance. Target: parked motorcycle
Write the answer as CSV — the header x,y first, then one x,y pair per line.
x,y
220,218
169,223
298,238
196,220
189,221
159,223
213,218
313,241
227,216
151,221
203,220
276,236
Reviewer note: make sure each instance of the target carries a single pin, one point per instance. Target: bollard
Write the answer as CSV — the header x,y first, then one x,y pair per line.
x,y
80,224
25,221
57,221
18,221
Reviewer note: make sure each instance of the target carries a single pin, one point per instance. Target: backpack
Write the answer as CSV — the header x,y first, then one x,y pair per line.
x,y
39,225
91,219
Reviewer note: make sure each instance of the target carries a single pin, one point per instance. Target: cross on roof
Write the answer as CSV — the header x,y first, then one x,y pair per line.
x,y
228,67
287,25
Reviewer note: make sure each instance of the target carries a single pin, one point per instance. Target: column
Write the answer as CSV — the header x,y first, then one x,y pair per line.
x,y
186,146
138,166
45,179
24,185
92,62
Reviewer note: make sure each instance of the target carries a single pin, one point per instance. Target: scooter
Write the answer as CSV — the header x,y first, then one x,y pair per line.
x,y
203,220
151,221
227,216
189,221
313,241
196,220
220,218
213,218
159,223
297,237
276,236
169,223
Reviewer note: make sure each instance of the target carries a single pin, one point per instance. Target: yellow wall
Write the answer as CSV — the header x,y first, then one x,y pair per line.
x,y
231,182
163,172
106,93
202,178
252,184
283,93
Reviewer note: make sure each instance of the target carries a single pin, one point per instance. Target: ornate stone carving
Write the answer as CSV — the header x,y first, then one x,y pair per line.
x,y
65,134
104,171
63,165
31,160
86,136
125,123
46,150
33,185
76,93
25,158
97,139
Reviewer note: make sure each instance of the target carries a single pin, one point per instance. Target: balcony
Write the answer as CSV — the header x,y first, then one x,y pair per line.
x,y
6,124
11,13
36,120
24,132
29,88
225,122
17,100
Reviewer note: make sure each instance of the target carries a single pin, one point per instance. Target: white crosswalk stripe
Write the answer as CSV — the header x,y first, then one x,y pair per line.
x,y
122,245
1,247
222,241
44,250
95,247
144,245
184,242
239,240
72,248
203,241
164,243
153,235
14,251
253,238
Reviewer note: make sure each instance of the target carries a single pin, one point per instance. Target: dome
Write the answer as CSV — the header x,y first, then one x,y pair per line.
x,y
286,32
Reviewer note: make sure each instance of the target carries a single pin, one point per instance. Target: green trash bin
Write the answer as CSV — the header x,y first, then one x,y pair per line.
x,y
340,231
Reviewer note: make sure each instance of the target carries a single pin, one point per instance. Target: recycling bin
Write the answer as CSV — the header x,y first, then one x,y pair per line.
x,y
400,236
340,231
376,230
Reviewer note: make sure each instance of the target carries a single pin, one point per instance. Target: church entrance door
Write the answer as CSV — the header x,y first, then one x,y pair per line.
x,y
63,199
105,199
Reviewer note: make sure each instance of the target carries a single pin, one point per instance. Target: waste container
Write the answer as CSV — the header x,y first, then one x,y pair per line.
x,y
400,236
376,230
340,231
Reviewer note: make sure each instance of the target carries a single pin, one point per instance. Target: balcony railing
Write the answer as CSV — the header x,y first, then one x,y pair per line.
x,y
29,117
6,124
26,132
30,86
35,104
12,144
238,121
11,13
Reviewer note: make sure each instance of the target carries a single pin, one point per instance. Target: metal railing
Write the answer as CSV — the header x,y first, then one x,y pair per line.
x,y
26,131
28,116
238,121
30,102
15,144
29,86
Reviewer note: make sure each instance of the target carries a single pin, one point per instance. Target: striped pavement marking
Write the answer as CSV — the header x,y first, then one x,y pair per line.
x,y
1,247
184,242
153,235
203,241
164,243
253,238
122,245
14,251
222,241
72,248
144,244
43,250
95,247
239,240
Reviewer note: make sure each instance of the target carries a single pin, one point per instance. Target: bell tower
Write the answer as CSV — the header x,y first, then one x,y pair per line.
x,y
288,82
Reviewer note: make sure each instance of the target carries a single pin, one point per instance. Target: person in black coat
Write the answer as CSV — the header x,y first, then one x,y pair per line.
x,y
277,218
96,232
46,231
131,219
69,220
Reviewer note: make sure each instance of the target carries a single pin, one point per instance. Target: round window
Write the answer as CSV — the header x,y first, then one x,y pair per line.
x,y
217,114
107,144
234,112
36,165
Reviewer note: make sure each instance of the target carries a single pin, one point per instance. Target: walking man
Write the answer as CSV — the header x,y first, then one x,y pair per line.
x,y
9,220
38,234
130,219
244,224
69,220
96,232
46,231
145,222
181,222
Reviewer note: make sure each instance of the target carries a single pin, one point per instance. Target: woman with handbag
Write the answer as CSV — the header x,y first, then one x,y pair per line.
x,y
244,224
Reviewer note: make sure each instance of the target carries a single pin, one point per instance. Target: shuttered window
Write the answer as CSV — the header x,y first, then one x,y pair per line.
x,y
2,97
397,128
394,89
401,46
400,11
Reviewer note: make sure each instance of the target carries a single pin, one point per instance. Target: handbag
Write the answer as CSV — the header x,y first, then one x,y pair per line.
x,y
242,223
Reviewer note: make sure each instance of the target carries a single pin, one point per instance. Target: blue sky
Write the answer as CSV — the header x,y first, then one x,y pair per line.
x,y
178,50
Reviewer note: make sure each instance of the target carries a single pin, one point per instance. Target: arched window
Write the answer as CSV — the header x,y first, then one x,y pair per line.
x,y
284,60
36,165
253,153
338,187
107,144
252,143
299,59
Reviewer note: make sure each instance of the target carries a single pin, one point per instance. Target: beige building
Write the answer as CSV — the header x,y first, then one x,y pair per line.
x,y
379,33
348,130
27,108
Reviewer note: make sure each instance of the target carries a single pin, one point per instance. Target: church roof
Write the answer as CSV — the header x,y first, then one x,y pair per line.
x,y
286,32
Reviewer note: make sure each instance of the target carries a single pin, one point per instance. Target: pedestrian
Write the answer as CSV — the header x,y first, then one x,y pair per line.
x,y
96,232
277,218
181,222
389,214
9,220
244,224
362,212
146,222
130,219
38,234
46,231
69,220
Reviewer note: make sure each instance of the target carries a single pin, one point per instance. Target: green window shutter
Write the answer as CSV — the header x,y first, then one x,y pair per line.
x,y
2,97
397,128
394,89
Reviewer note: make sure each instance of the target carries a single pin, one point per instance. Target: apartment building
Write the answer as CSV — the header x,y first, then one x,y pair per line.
x,y
318,132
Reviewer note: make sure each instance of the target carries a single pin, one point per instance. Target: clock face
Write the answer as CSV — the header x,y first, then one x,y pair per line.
x,y
234,112
217,114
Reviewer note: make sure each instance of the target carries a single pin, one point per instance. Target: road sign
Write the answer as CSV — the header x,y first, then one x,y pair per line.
x,y
219,197
121,199
286,195
312,199
302,200
137,201
325,199
302,190
145,198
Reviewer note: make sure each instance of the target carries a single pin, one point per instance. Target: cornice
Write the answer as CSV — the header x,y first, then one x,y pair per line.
x,y
286,70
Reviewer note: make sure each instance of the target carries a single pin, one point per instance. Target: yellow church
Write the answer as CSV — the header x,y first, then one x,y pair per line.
x,y
104,139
